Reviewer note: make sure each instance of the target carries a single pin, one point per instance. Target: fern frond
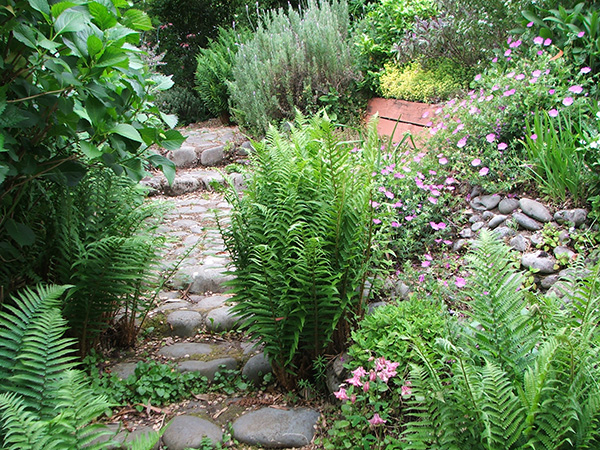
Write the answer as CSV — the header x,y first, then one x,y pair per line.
x,y
22,428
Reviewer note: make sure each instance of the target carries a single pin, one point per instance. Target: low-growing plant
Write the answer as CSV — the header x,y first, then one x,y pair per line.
x,y
183,102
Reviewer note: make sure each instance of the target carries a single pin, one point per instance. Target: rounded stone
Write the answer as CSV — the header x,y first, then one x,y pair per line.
x,y
540,261
571,216
184,156
182,185
221,319
212,302
549,281
477,226
459,245
527,222
519,243
213,156
485,202
207,368
504,231
535,210
466,233
256,368
124,370
185,432
508,205
276,428
497,221
184,323
487,215
558,251
185,350
143,432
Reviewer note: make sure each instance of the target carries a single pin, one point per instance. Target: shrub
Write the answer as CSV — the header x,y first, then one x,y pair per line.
x,y
414,83
215,70
300,240
183,102
291,62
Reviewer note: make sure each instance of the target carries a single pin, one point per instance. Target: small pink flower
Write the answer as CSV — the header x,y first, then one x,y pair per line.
x,y
421,278
538,40
476,162
515,44
502,146
341,394
576,89
406,390
376,420
394,224
460,282
366,386
530,24
536,73
478,77
547,42
509,92
462,142
551,91
585,70
510,74
567,101
533,137
443,161
520,77
495,60
490,137
376,221
389,195
553,112
495,87
437,226
507,52
432,200
409,218
425,263
484,171
581,34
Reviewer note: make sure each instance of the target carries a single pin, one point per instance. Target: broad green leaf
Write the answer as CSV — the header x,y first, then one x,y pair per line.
x,y
3,172
71,21
102,16
163,82
90,150
173,140
69,173
119,32
138,20
48,44
26,36
41,6
170,119
21,233
128,131
59,8
166,166
94,45
96,111
112,58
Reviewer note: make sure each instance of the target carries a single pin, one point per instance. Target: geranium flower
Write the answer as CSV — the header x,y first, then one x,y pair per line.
x,y
585,70
462,142
547,42
394,224
538,40
509,92
576,89
437,226
476,162
507,52
581,34
443,161
567,101
533,137
460,282
490,137
484,171
536,73
553,112
376,221
477,77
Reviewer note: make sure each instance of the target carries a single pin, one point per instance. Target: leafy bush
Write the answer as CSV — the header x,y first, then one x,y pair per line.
x,y
300,241
183,102
215,70
44,401
292,61
414,83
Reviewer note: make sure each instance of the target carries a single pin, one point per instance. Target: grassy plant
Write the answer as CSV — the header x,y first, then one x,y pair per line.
x,y
300,241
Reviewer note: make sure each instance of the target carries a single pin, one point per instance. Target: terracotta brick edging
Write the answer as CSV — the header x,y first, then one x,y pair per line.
x,y
404,116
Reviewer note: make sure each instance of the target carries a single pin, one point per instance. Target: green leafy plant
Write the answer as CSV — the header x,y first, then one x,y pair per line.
x,y
292,60
550,238
521,372
45,402
183,102
300,241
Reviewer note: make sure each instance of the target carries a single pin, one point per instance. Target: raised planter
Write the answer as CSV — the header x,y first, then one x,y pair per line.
x,y
396,117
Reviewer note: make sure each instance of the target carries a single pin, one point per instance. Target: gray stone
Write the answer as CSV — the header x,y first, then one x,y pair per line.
x,y
185,432
541,261
211,181
536,239
212,156
250,347
184,323
504,231
336,373
184,156
185,350
497,220
519,243
373,306
564,238
247,145
212,302
549,281
256,368
207,368
575,274
508,205
238,182
143,432
477,226
276,428
475,218
221,319
467,233
182,185
459,245
124,370
573,216
487,215
560,250
155,185
485,202
535,210
402,290
201,279
527,222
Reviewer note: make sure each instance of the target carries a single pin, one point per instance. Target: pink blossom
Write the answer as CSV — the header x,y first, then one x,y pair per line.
x,y
538,40
510,75
394,224
356,377
507,52
447,242
425,263
476,162
376,420
432,200
366,386
585,70
553,112
494,60
477,77
409,218
421,278
576,89
460,282
406,389
547,42
515,44
567,101
443,161
432,172
462,142
484,171
530,24
536,73
502,146
520,77
551,91
509,92
425,114
581,34
389,195
376,221
450,180
341,394
533,137
495,87
490,137
437,226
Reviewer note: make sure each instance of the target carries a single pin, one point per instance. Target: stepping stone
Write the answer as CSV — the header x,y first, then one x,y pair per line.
x,y
256,368
207,368
508,205
215,301
170,306
221,319
497,221
527,222
184,323
541,261
276,428
575,216
213,156
185,350
201,279
124,370
184,156
185,432
182,185
485,202
535,210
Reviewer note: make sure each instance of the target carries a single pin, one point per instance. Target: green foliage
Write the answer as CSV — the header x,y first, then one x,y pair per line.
x,y
553,145
521,373
413,82
45,403
215,70
183,102
300,240
292,60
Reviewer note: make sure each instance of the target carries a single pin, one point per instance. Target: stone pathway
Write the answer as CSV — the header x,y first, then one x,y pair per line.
x,y
196,306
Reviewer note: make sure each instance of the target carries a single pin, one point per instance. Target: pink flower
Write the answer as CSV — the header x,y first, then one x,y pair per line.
x,y
389,195
547,42
576,89
510,75
376,420
538,40
490,137
536,73
520,77
376,221
437,226
366,386
409,218
567,101
478,77
421,278
406,389
341,394
551,91
533,137
394,224
581,34
460,282
507,52
585,70
425,263
502,146
484,171
356,377
530,24
494,60
432,200
462,142
443,161
475,162
515,44
509,92
553,112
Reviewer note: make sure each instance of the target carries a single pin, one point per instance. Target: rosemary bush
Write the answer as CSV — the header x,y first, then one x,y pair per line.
x,y
292,61
300,240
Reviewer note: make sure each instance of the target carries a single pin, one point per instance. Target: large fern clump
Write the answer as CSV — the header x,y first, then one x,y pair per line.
x,y
300,240
523,372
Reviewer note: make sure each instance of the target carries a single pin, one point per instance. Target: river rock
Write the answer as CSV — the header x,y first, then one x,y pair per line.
x,y
519,243
182,185
477,226
549,281
185,350
213,156
487,215
497,220
186,432
535,210
467,233
504,231
207,368
221,319
485,202
184,323
541,261
560,250
276,428
184,156
256,368
527,222
574,216
508,205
